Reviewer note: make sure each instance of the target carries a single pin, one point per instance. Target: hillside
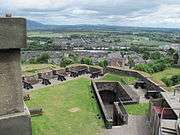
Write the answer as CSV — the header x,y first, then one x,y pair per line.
x,y
33,25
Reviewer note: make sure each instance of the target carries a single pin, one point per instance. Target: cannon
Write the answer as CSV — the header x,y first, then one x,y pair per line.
x,y
61,77
152,93
82,71
74,74
140,84
27,85
95,74
46,81
36,111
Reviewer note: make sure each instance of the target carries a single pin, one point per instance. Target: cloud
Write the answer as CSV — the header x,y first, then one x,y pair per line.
x,y
154,13
164,16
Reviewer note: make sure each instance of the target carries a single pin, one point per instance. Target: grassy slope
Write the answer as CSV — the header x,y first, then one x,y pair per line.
x,y
34,68
156,77
166,73
115,77
56,102
137,109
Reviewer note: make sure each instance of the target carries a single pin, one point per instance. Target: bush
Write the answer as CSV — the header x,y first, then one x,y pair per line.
x,y
176,58
155,66
87,61
174,80
146,55
32,61
66,61
156,55
103,63
167,81
43,58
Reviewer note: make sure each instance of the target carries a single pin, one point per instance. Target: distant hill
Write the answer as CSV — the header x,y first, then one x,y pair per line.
x,y
33,25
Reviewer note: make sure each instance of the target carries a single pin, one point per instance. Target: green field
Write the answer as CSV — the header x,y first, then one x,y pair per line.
x,y
120,78
68,110
137,109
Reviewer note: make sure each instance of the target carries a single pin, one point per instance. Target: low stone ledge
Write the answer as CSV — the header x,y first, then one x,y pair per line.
x,y
16,124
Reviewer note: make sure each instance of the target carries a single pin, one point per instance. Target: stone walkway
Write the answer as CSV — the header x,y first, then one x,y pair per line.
x,y
141,93
137,125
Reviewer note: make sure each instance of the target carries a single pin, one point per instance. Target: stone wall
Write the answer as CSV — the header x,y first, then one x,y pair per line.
x,y
32,79
51,73
151,84
95,69
125,93
59,71
110,93
107,120
76,67
48,74
120,115
106,86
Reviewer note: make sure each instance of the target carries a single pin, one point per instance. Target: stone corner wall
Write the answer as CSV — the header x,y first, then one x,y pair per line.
x,y
152,85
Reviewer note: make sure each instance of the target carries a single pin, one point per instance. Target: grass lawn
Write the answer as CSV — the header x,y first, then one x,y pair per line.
x,y
120,78
68,109
166,73
34,68
137,109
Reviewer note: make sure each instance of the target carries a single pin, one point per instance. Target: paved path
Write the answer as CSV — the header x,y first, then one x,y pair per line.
x,y
141,93
137,125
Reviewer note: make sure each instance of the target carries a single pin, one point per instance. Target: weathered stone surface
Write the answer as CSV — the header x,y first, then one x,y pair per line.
x,y
151,84
10,82
14,116
16,124
12,33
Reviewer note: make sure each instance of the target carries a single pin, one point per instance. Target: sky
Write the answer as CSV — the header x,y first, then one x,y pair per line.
x,y
141,13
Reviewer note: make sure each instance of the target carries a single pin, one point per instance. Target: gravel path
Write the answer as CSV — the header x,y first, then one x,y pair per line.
x,y
55,82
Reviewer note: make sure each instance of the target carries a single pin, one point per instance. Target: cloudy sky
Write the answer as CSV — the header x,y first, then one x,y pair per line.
x,y
150,13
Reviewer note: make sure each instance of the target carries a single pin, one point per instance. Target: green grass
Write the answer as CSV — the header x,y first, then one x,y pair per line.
x,y
120,78
166,73
30,69
56,102
137,109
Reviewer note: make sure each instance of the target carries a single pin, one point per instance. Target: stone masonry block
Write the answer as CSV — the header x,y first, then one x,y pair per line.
x,y
11,100
16,124
12,33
